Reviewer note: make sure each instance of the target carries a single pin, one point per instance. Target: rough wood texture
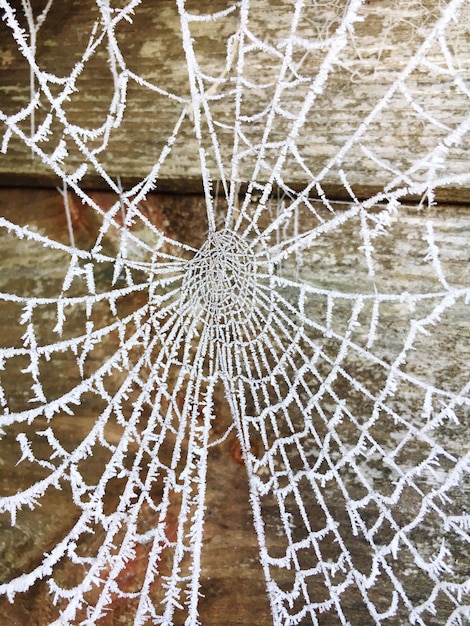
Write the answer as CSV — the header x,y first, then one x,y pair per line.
x,y
232,579
152,48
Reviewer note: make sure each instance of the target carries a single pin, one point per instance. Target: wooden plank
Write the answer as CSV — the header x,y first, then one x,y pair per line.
x,y
151,48
232,579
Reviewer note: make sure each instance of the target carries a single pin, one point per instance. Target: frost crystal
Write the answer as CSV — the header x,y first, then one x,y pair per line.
x,y
221,279
321,310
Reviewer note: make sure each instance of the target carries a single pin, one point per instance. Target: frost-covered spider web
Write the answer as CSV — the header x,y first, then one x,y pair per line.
x,y
333,359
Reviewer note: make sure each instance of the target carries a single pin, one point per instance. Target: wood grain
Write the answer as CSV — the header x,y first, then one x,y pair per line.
x,y
151,46
232,579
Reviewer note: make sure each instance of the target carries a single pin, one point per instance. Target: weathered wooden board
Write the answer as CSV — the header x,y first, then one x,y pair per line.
x,y
232,579
151,47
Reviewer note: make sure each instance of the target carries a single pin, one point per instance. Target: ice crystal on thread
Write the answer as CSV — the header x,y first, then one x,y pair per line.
x,y
221,279
120,356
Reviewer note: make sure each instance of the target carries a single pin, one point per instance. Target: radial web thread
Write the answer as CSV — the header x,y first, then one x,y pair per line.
x,y
298,310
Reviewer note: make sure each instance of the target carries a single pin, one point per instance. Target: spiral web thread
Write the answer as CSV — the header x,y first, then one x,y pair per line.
x,y
350,443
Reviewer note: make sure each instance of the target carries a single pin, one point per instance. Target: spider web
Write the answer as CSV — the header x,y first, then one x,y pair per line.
x,y
352,437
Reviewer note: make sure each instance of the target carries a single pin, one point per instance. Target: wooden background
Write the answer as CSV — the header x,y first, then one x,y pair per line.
x,y
233,583
152,48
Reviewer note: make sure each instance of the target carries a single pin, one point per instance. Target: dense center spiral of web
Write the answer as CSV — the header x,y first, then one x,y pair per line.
x,y
221,278
315,342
